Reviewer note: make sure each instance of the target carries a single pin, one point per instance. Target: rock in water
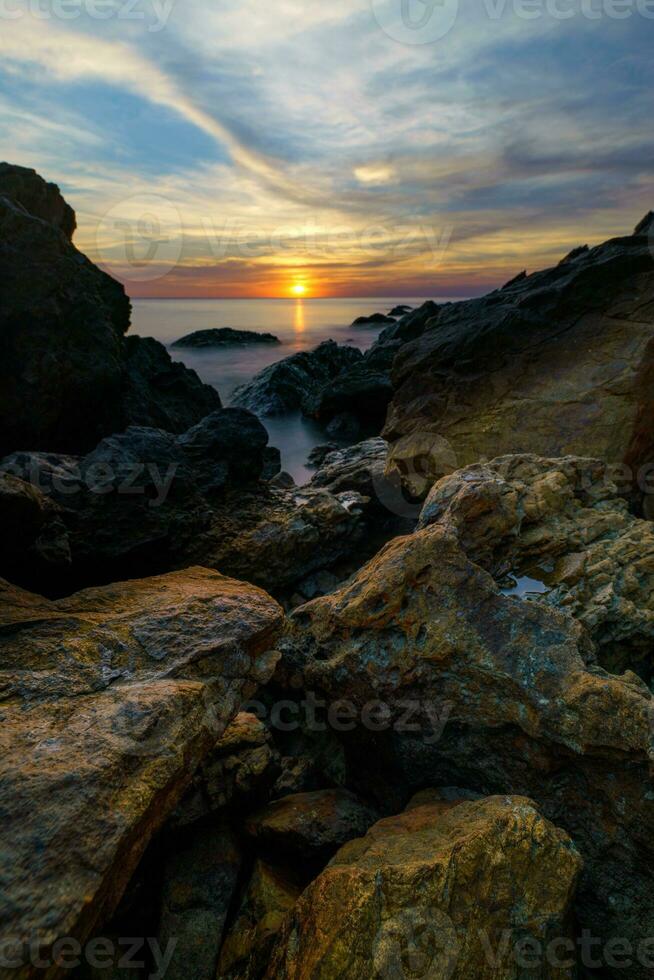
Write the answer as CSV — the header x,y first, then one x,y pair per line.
x,y
110,700
504,696
224,337
68,377
559,362
374,320
283,386
456,891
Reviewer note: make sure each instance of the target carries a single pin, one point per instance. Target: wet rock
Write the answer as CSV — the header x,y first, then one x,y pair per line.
x,y
358,467
110,700
270,896
503,696
68,377
319,453
441,888
510,372
283,386
200,879
224,337
563,521
310,826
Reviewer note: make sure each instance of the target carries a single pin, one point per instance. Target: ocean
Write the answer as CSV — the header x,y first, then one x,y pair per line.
x,y
300,324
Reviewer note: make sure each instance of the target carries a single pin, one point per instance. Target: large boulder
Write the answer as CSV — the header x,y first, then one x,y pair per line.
x,y
283,386
68,375
110,700
450,682
145,501
479,889
560,529
555,363
360,390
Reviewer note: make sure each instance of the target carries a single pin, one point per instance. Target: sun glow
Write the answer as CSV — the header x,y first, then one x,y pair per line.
x,y
299,289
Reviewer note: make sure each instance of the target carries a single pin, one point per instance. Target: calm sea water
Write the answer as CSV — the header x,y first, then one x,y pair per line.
x,y
299,324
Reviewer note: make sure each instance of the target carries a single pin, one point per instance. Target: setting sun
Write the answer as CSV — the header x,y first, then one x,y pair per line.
x,y
298,289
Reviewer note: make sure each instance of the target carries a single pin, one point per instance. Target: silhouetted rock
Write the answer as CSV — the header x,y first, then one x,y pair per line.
x,y
224,337
400,310
359,390
68,377
373,320
283,386
39,198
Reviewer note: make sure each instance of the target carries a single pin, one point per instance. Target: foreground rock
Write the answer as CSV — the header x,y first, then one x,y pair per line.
x,y
284,386
359,391
502,696
224,337
459,892
146,501
560,523
110,700
35,542
68,377
360,468
511,372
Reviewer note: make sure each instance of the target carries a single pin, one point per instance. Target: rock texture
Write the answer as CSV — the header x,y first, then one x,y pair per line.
x,y
145,501
360,467
224,337
284,386
110,699
67,375
200,880
452,893
360,390
496,694
555,363
310,826
560,521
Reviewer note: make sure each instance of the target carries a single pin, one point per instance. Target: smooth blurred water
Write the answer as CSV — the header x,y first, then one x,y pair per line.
x,y
300,324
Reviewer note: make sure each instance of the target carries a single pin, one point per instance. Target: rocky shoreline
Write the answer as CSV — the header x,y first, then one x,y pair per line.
x,y
283,733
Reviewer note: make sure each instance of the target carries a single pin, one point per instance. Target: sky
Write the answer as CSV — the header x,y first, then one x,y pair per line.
x,y
342,148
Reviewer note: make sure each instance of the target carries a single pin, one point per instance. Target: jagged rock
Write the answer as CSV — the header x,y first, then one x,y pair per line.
x,y
283,386
224,337
360,467
110,700
146,501
455,894
43,200
270,896
35,543
318,454
560,363
200,879
561,521
68,375
159,392
359,390
496,694
310,826
373,320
